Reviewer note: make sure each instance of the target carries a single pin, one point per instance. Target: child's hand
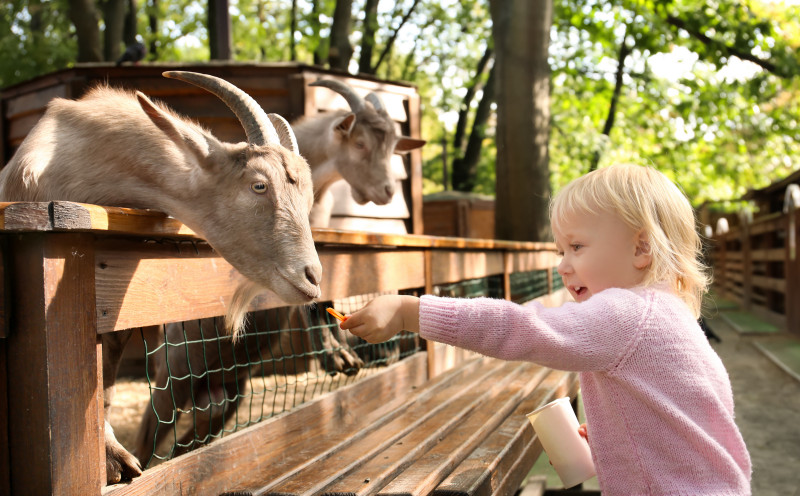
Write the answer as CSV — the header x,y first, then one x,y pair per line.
x,y
583,432
383,317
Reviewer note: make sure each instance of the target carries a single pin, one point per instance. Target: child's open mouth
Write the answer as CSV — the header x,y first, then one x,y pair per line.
x,y
579,290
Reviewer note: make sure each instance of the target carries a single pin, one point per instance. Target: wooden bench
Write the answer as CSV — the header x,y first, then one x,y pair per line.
x,y
394,433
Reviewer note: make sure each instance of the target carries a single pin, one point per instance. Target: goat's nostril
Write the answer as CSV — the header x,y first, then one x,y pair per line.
x,y
312,275
389,190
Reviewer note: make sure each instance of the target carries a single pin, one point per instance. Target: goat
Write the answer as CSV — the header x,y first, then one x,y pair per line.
x,y
355,145
249,200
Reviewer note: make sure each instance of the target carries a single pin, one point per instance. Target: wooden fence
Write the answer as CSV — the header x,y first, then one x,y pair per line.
x,y
72,272
755,264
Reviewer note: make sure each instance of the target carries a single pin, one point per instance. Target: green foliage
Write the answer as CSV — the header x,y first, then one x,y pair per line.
x,y
716,134
38,38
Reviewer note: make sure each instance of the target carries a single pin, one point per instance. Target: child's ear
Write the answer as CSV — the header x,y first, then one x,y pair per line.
x,y
643,256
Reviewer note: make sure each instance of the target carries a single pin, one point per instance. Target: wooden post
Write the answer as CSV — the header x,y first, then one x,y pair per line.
x,y
508,268
430,346
55,403
792,268
720,269
747,264
415,166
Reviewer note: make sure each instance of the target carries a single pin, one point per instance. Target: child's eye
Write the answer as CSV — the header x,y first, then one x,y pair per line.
x,y
576,246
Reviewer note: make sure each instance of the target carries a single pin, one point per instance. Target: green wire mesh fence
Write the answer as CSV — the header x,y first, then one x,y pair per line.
x,y
204,386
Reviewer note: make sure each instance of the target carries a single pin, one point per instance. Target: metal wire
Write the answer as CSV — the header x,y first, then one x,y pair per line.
x,y
206,386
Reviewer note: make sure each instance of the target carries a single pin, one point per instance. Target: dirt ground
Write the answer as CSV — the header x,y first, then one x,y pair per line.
x,y
767,411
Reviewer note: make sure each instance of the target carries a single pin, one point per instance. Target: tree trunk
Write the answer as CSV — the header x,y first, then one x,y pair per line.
x,y
114,19
219,30
86,20
152,22
463,113
465,170
368,37
131,26
390,43
612,108
292,29
340,50
521,32
319,50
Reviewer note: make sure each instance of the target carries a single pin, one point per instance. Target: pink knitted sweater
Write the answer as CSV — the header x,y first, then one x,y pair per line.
x,y
658,401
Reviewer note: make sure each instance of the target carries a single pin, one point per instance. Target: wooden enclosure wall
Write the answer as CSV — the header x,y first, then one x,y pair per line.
x,y
73,271
755,264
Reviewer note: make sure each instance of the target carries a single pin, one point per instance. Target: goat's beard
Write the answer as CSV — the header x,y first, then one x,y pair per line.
x,y
237,310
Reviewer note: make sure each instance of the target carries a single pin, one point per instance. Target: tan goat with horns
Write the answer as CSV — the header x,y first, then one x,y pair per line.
x,y
250,200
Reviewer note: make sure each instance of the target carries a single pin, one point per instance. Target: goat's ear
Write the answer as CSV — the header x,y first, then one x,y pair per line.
x,y
346,124
180,134
405,144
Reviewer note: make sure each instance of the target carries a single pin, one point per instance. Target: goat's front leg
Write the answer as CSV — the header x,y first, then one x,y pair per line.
x,y
120,464
334,357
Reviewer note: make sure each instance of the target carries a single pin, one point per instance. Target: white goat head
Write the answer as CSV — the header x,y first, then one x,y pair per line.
x,y
359,144
250,200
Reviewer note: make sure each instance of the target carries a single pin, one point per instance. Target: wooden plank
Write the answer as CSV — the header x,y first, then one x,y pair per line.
x,y
349,273
508,454
264,452
27,216
142,284
771,283
371,440
425,473
55,402
5,468
5,293
769,255
527,261
32,102
71,216
368,474
452,266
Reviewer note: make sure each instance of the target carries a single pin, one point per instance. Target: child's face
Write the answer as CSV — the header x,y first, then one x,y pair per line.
x,y
599,252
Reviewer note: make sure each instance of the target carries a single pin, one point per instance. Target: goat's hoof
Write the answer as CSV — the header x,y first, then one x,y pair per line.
x,y
120,464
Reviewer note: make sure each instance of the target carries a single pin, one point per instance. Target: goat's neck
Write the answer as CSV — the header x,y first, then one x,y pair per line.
x,y
323,175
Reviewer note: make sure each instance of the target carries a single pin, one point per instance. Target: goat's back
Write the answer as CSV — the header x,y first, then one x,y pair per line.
x,y
77,142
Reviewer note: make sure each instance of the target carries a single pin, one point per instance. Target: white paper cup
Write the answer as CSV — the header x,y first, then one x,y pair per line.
x,y
557,427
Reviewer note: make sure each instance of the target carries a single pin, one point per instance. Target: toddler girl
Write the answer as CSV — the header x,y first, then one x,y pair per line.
x,y
658,401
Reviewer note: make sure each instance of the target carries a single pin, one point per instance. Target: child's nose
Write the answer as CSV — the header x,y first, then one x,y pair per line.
x,y
563,267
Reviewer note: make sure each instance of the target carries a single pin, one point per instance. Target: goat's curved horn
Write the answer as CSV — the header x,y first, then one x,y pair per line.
x,y
254,120
356,102
285,133
376,102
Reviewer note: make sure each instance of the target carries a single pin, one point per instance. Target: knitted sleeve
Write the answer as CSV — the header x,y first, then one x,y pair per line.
x,y
590,336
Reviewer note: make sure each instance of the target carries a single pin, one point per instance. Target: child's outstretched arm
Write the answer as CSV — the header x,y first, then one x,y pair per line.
x,y
383,317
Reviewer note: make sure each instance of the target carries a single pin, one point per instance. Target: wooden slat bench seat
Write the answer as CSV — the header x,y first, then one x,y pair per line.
x,y
463,432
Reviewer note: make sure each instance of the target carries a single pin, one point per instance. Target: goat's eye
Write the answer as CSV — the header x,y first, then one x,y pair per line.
x,y
360,145
259,187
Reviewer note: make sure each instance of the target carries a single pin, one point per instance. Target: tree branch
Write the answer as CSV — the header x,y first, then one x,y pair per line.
x,y
707,40
389,43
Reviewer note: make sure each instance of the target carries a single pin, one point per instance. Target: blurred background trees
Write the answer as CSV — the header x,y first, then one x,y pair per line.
x,y
705,91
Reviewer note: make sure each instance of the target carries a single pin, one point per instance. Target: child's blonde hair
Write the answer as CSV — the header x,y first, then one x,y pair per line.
x,y
646,200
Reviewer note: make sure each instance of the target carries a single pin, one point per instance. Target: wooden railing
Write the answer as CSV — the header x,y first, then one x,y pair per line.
x,y
756,265
72,272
